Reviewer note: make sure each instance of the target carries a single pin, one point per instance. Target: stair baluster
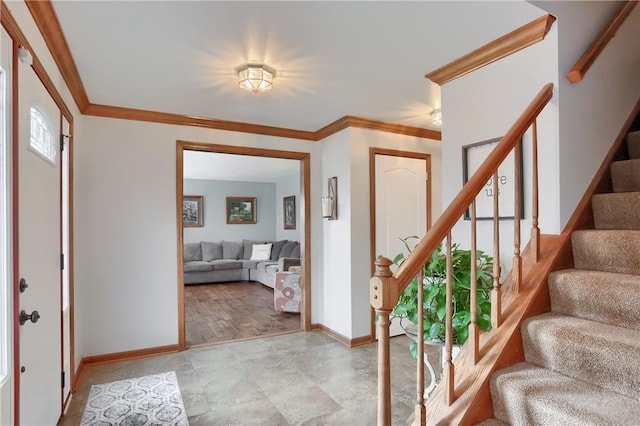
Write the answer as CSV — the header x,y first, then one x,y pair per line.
x,y
496,293
474,330
516,266
448,371
420,412
535,230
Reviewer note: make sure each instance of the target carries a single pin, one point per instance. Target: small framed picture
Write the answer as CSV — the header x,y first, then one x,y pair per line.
x,y
192,210
289,212
472,157
241,210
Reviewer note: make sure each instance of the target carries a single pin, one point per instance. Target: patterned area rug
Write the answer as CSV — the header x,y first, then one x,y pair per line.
x,y
149,400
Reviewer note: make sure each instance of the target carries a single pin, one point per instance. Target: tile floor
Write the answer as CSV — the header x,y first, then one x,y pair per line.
x,y
293,379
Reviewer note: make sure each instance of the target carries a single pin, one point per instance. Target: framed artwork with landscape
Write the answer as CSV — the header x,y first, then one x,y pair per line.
x,y
289,212
508,175
192,210
241,210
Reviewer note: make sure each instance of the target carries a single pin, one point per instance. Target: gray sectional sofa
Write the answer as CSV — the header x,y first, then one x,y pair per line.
x,y
224,261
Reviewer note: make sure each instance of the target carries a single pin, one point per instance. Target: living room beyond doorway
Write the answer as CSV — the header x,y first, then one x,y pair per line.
x,y
242,237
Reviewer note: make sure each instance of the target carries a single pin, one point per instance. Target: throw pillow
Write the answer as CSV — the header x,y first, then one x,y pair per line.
x,y
276,248
261,252
287,249
295,253
248,248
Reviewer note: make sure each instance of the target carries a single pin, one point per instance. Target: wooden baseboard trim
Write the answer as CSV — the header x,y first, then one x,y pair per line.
x,y
127,355
358,341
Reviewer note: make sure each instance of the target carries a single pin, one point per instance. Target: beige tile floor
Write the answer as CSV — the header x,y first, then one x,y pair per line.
x,y
294,379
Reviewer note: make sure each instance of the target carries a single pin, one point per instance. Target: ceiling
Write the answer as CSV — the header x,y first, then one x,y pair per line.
x,y
365,59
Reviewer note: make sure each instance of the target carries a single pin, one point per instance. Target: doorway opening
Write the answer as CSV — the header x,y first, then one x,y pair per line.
x,y
243,243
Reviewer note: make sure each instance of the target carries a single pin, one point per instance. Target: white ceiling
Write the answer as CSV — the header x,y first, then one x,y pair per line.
x,y
332,59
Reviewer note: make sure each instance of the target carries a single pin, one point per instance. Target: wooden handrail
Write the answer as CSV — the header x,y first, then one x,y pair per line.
x,y
456,209
591,54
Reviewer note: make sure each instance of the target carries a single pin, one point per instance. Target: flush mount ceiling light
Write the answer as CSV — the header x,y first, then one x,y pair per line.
x,y
255,78
436,117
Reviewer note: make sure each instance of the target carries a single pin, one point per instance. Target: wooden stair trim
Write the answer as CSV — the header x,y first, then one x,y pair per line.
x,y
473,397
587,59
582,217
499,48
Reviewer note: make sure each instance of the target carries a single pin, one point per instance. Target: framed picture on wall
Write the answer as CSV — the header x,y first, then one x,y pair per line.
x,y
192,210
241,210
472,157
289,212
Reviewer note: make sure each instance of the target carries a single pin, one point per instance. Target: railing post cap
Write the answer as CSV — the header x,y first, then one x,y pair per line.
x,y
382,267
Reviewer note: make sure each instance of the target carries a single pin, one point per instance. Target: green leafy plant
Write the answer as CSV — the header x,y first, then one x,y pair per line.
x,y
435,291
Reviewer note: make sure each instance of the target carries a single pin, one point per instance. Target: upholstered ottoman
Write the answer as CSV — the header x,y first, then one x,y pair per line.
x,y
287,294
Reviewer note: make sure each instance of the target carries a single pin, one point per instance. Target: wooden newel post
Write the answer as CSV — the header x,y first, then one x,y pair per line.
x,y
383,296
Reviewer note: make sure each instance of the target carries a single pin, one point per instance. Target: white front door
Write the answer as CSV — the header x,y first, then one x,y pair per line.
x,y
401,206
39,253
6,260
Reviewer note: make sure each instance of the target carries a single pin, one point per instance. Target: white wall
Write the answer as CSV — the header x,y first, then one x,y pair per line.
x,y
126,237
593,111
335,307
483,105
215,227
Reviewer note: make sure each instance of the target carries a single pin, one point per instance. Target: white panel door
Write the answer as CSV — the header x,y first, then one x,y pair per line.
x,y
401,206
39,260
6,259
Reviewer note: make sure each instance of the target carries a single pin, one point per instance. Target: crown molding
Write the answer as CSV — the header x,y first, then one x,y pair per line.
x,y
382,126
186,120
14,31
499,48
47,21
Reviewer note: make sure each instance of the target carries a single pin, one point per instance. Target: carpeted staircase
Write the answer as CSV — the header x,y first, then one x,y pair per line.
x,y
583,358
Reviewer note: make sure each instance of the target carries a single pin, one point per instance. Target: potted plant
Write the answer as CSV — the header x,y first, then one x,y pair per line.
x,y
434,284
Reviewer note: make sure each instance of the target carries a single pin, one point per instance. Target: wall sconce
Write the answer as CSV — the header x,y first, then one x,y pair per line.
x,y
330,201
436,117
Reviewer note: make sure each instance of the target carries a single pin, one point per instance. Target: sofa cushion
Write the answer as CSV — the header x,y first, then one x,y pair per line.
x,y
276,248
198,266
250,264
192,252
295,253
264,265
226,264
248,248
261,252
231,250
287,249
211,251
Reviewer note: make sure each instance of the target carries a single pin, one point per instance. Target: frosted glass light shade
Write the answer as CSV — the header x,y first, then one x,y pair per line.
x,y
255,78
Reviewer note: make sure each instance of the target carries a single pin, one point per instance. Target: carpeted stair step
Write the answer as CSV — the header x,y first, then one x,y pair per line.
x,y
524,394
604,297
625,175
601,354
618,210
607,250
633,143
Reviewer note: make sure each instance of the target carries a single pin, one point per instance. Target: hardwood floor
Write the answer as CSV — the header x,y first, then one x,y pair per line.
x,y
233,311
